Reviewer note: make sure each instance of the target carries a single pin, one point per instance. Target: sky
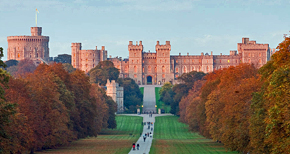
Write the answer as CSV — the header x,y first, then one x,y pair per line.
x,y
191,26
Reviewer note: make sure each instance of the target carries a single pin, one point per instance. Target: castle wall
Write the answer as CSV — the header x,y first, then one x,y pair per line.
x,y
33,47
85,60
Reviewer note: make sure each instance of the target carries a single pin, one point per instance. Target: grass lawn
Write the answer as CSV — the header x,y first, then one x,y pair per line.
x,y
173,137
117,141
142,91
160,104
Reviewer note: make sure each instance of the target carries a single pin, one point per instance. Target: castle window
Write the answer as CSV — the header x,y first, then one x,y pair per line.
x,y
132,61
184,60
18,55
176,75
86,65
87,55
206,61
30,55
259,54
184,69
135,76
37,55
143,61
163,75
165,61
134,54
163,54
192,68
176,70
253,55
74,54
93,60
137,61
135,69
193,61
86,60
236,61
149,69
199,68
249,60
126,69
176,61
160,61
93,65
163,69
155,69
143,69
260,61
220,61
207,69
228,60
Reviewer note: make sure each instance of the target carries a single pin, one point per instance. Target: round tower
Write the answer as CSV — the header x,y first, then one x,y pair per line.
x,y
36,31
75,50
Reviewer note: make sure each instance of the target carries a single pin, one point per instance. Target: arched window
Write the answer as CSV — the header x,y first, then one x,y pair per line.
x,y
143,69
135,69
176,70
18,55
163,75
260,55
184,69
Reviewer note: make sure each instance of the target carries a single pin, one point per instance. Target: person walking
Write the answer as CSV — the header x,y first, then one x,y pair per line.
x,y
133,145
137,146
144,137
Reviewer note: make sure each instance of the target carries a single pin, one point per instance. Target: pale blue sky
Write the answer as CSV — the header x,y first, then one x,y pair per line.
x,y
192,26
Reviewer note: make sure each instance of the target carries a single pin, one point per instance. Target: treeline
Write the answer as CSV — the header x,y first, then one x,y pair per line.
x,y
50,107
245,108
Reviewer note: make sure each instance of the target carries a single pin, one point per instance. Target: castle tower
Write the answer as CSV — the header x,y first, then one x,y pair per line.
x,y
33,47
117,94
164,74
135,61
252,52
75,50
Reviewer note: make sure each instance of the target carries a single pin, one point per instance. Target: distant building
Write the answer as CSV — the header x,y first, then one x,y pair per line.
x,y
34,47
86,59
117,94
62,58
160,67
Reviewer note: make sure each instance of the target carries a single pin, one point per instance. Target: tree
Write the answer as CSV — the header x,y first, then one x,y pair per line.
x,y
68,67
6,109
132,94
103,71
11,62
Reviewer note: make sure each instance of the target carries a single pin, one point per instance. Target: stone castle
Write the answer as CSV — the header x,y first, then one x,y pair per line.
x,y
34,47
160,67
144,67
117,94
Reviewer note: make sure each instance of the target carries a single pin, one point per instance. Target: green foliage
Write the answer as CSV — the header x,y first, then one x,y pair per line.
x,y
68,67
132,95
103,71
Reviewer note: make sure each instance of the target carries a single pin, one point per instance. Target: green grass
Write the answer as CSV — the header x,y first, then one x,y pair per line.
x,y
160,104
173,137
142,91
109,141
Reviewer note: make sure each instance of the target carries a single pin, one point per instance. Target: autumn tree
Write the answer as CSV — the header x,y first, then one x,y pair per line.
x,y
270,108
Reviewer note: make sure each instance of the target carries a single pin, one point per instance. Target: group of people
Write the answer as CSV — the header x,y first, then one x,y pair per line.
x,y
148,134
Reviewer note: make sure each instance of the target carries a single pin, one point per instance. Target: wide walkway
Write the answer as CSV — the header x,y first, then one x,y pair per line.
x,y
149,100
145,146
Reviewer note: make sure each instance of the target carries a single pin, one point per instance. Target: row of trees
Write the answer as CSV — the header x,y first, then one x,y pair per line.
x,y
50,107
245,108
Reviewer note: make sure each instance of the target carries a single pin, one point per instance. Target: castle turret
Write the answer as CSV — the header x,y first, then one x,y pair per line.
x,y
75,50
163,62
135,63
36,31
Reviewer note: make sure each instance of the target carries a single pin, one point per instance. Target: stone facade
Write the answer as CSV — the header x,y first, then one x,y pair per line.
x,y
117,94
33,47
160,67
86,59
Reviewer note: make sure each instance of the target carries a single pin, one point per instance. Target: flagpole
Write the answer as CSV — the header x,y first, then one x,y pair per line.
x,y
36,11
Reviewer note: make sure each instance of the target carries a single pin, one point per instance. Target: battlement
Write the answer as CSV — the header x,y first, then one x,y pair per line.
x,y
76,44
28,38
159,47
233,52
136,47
